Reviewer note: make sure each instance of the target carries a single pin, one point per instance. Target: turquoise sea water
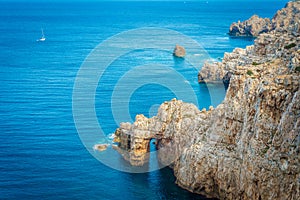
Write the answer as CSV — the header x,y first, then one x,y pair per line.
x,y
41,155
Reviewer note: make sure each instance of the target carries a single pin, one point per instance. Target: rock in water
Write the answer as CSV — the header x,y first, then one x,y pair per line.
x,y
179,51
101,147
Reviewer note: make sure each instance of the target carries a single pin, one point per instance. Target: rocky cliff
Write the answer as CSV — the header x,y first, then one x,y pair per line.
x,y
250,149
285,20
248,146
281,42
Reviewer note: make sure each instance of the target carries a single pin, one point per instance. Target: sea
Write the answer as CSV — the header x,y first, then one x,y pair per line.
x,y
43,154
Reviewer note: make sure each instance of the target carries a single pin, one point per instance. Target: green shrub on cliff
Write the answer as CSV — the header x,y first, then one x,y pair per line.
x,y
290,46
265,150
249,72
297,69
255,63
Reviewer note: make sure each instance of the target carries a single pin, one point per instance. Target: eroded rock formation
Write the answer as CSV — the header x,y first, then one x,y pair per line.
x,y
171,138
248,146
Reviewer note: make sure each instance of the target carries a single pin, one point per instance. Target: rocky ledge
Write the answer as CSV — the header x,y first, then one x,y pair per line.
x,y
248,146
285,20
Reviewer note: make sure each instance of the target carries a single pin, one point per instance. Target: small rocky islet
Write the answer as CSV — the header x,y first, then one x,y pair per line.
x,y
179,51
100,147
248,146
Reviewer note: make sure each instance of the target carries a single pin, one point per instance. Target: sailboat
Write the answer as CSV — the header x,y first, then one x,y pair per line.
x,y
42,39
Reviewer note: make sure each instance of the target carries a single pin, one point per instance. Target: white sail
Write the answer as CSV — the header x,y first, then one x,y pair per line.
x,y
42,39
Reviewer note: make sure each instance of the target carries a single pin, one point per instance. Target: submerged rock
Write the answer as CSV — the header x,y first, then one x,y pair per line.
x,y
179,51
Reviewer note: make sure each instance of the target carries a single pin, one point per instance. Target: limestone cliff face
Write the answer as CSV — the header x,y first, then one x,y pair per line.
x,y
285,20
250,149
248,146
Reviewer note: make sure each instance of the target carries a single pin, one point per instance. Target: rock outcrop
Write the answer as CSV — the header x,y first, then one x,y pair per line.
x,y
267,46
248,146
285,20
222,71
134,140
170,138
179,51
251,27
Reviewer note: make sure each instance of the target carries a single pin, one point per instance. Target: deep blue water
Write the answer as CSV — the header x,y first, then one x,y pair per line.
x,y
41,154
